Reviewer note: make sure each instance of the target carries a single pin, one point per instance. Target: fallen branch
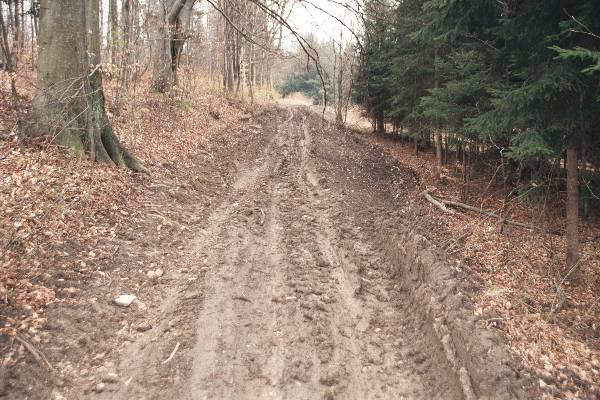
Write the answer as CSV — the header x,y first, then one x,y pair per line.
x,y
38,355
438,201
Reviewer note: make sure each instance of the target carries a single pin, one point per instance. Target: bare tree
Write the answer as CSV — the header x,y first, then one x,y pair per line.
x,y
170,21
113,42
70,104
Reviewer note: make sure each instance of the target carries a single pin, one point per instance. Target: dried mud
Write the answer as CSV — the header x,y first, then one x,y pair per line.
x,y
297,280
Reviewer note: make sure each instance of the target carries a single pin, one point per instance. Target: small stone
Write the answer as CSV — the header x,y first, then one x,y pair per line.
x,y
193,295
56,395
329,377
99,388
155,274
110,377
374,356
323,263
125,300
143,326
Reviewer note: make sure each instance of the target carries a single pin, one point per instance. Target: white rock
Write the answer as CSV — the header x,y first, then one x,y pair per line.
x,y
124,300
57,396
110,377
157,273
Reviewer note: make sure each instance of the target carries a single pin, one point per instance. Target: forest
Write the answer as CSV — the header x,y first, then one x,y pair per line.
x,y
299,199
513,81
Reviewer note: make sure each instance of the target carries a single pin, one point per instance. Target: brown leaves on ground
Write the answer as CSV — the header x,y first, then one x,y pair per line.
x,y
59,215
553,326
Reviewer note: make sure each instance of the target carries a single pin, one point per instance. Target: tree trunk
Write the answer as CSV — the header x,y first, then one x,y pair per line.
x,y
16,33
126,28
437,135
416,144
4,46
170,28
339,117
35,18
572,214
162,75
22,25
180,30
113,43
69,104
380,122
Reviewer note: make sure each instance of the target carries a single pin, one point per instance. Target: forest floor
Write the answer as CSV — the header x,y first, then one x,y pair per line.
x,y
551,324
271,255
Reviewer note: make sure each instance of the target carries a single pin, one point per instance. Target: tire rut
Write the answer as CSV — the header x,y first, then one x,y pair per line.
x,y
283,317
297,297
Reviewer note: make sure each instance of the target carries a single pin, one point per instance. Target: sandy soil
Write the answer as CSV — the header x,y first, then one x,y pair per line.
x,y
294,280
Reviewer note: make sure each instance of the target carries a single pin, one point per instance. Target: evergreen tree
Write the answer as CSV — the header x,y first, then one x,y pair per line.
x,y
521,77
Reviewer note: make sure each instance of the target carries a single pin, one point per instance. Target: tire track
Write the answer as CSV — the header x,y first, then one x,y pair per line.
x,y
296,301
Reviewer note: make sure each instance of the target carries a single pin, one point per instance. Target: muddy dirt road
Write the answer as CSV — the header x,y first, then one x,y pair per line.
x,y
290,289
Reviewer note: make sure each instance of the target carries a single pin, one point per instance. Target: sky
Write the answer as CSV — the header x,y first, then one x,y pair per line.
x,y
307,17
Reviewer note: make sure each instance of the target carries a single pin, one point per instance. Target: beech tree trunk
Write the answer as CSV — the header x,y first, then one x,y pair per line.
x,y
162,77
179,29
114,30
69,104
169,23
572,214
4,46
16,33
126,33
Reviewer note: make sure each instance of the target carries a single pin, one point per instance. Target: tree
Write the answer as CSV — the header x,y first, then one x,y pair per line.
x,y
373,80
169,24
114,30
519,78
549,105
69,105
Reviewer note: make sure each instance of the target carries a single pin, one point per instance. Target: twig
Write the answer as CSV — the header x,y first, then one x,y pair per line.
x,y
241,298
116,251
591,308
172,353
38,355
